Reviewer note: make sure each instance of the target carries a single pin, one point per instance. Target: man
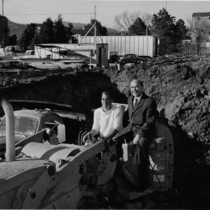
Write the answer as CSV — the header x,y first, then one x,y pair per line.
x,y
107,120
142,115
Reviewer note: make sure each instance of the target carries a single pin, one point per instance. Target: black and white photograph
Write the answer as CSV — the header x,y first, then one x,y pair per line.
x,y
104,104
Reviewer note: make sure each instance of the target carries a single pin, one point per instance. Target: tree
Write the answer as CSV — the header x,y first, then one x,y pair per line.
x,y
199,30
124,21
147,18
12,40
35,40
164,25
138,27
69,33
100,30
60,31
27,36
181,29
46,34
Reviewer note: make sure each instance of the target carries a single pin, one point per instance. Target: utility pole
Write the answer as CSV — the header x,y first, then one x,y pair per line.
x,y
2,21
95,25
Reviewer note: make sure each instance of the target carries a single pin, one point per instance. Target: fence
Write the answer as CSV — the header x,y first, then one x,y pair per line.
x,y
196,48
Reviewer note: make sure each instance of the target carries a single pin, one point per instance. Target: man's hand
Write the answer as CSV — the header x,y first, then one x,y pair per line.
x,y
135,140
100,138
87,136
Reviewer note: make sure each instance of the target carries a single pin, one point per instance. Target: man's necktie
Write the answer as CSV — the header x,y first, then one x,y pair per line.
x,y
135,103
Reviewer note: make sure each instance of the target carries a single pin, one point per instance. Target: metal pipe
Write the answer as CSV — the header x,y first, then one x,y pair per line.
x,y
90,29
95,25
10,129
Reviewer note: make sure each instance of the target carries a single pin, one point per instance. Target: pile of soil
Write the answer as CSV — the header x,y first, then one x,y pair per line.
x,y
181,88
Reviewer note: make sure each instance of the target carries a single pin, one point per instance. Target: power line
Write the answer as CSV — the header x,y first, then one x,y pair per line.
x,y
41,11
55,14
28,7
131,5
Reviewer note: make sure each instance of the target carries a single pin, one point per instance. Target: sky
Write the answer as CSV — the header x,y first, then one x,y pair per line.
x,y
82,11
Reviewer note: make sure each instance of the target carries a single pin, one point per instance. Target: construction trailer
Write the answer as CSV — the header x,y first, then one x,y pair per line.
x,y
140,45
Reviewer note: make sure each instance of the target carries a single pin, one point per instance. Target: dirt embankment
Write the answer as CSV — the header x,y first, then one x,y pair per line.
x,y
181,87
80,89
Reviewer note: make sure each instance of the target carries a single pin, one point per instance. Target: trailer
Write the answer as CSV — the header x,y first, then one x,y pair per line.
x,y
140,45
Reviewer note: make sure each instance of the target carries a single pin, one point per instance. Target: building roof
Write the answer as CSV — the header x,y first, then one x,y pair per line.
x,y
201,14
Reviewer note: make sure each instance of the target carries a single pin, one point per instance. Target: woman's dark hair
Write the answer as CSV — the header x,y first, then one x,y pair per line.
x,y
106,92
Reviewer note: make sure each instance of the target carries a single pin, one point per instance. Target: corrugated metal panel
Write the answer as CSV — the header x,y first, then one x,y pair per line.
x,y
140,45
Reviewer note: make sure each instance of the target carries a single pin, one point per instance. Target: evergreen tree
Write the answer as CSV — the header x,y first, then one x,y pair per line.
x,y
181,29
46,34
69,32
35,40
60,35
27,36
12,40
138,27
163,24
100,30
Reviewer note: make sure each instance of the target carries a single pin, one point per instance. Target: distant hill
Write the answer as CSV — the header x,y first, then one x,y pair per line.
x,y
17,28
80,26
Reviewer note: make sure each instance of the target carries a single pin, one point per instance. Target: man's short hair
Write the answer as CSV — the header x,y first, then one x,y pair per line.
x,y
107,93
140,82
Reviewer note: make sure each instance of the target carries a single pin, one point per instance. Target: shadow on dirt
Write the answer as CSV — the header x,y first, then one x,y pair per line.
x,y
191,186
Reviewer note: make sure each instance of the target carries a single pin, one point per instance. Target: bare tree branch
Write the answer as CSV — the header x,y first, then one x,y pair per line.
x,y
199,28
125,20
147,18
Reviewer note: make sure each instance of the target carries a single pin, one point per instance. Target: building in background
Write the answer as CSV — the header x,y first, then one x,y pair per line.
x,y
201,27
4,30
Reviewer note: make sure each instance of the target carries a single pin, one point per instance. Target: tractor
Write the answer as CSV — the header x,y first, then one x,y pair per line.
x,y
36,174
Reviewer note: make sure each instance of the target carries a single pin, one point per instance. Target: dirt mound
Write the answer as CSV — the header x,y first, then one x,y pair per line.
x,y
180,86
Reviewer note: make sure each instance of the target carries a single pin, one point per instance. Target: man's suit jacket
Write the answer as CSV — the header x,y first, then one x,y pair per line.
x,y
143,116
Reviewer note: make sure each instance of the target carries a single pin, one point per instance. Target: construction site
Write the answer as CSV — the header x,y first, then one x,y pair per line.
x,y
48,96
179,85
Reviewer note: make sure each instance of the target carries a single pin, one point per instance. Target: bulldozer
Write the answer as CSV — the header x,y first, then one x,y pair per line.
x,y
38,175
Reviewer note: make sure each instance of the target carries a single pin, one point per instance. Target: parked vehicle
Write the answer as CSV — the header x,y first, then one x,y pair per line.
x,y
29,54
113,57
13,48
133,58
